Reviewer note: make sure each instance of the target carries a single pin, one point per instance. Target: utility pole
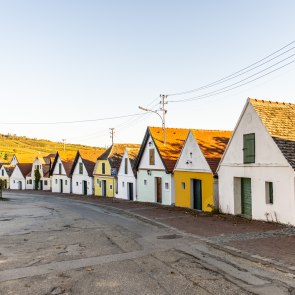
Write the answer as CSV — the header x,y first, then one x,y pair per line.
x,y
112,132
64,141
164,111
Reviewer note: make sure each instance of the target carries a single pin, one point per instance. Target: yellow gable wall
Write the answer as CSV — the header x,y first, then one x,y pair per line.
x,y
110,181
183,196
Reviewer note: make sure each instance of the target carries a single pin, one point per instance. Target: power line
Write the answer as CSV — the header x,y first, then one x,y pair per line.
x,y
69,122
238,73
203,96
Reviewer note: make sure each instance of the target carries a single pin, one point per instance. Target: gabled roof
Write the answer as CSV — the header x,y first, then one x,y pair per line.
x,y
132,156
212,144
115,153
67,158
25,168
89,158
26,158
8,168
279,120
170,152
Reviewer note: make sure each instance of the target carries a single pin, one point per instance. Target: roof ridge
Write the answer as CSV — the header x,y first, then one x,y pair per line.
x,y
271,102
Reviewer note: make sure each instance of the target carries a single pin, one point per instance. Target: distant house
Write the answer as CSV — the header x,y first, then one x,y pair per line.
x,y
106,170
5,173
43,167
195,177
61,171
256,173
127,174
156,162
18,176
82,176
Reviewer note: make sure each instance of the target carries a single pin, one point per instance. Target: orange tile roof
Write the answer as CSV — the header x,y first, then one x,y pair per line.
x,y
89,158
212,144
170,152
132,155
67,158
279,120
115,153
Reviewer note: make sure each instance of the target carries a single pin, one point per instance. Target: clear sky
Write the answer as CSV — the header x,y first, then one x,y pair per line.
x,y
65,60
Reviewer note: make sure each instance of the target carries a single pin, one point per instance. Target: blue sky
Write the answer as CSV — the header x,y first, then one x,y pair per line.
x,y
73,60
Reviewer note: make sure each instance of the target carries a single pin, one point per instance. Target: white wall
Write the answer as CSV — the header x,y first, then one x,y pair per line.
x,y
124,179
77,180
270,166
15,178
55,179
192,158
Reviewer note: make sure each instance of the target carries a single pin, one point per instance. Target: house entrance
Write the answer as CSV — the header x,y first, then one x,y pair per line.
x,y
130,191
246,197
84,183
104,188
20,185
61,189
197,193
158,183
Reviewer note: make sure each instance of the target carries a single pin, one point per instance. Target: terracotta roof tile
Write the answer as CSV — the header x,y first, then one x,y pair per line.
x,y
9,169
212,144
67,158
132,155
115,153
25,168
89,158
170,152
279,120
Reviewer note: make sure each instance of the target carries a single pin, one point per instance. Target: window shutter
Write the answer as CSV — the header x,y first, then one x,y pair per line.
x,y
126,166
249,148
152,157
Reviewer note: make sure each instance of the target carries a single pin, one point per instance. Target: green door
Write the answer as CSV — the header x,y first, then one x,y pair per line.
x,y
246,201
197,194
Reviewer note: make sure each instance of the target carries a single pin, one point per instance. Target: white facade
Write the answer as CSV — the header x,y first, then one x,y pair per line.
x,y
45,182
17,180
270,166
82,183
191,158
13,161
60,182
126,181
148,175
4,176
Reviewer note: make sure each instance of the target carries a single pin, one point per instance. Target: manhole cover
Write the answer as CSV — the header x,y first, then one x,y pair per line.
x,y
169,237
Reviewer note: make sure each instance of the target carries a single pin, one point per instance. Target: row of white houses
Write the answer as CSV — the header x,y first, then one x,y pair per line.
x,y
249,172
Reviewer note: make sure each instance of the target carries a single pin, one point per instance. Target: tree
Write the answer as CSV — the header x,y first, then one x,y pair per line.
x,y
37,177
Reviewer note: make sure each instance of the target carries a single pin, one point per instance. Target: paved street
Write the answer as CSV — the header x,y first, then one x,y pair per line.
x,y
57,245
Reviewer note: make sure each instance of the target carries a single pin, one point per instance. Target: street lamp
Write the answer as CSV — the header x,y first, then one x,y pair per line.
x,y
161,117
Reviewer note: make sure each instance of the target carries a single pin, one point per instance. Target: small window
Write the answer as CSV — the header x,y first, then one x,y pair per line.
x,y
45,182
66,182
55,181
59,168
103,168
183,185
2,172
126,166
249,148
111,186
27,182
14,181
152,156
31,182
123,183
269,192
80,168
145,182
166,185
77,183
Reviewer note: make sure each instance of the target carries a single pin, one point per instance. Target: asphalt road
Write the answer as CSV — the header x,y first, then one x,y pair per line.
x,y
51,245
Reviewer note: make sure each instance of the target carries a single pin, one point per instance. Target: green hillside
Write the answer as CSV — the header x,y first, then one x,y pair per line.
x,y
12,144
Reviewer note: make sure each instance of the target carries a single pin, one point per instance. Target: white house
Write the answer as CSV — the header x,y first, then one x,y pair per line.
x,y
256,173
127,175
18,176
5,173
156,162
44,170
61,172
82,176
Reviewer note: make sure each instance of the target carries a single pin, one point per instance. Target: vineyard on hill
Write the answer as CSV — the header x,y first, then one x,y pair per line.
x,y
32,147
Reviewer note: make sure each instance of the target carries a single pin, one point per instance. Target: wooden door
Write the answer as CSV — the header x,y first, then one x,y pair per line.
x,y
197,194
246,197
159,189
84,187
130,191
